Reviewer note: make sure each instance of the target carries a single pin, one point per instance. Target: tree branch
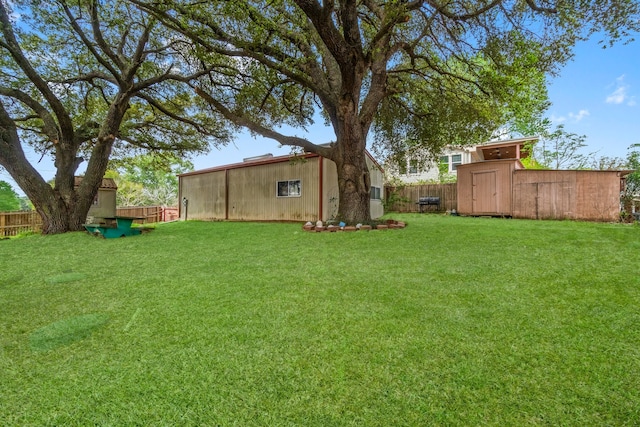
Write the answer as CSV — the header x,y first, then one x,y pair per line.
x,y
243,121
157,105
89,45
12,45
97,34
138,56
536,8
50,127
442,9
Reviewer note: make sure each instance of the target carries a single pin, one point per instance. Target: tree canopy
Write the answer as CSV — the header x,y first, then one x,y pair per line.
x,y
9,199
86,80
421,72
148,180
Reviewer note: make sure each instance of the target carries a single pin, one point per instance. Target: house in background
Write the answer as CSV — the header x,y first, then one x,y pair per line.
x,y
267,188
415,169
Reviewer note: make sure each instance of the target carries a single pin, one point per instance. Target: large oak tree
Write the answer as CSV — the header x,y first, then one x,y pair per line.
x,y
85,80
433,72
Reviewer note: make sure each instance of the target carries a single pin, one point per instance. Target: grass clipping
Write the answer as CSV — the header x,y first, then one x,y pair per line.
x,y
66,331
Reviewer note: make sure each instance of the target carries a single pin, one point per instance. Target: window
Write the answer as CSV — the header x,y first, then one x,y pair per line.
x,y
413,166
443,167
290,188
375,193
456,160
449,164
402,167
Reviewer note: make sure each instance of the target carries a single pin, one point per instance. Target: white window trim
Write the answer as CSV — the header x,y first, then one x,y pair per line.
x,y
373,193
288,181
454,165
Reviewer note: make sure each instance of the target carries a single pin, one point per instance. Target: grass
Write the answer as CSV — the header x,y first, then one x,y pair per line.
x,y
451,321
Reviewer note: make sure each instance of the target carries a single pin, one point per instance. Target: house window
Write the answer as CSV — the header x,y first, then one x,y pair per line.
x,y
291,188
413,166
402,167
456,160
375,193
443,167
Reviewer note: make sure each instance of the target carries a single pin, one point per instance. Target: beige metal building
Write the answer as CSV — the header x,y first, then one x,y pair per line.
x,y
267,188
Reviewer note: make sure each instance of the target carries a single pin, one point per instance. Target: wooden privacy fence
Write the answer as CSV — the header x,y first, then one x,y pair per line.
x,y
149,214
14,223
404,198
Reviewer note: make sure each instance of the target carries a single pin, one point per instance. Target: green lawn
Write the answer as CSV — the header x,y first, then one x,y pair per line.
x,y
451,321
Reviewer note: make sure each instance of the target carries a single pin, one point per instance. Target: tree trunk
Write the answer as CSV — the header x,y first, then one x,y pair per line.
x,y
58,207
354,185
354,179
59,213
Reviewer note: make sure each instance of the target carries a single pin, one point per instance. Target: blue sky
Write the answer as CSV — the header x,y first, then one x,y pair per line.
x,y
597,94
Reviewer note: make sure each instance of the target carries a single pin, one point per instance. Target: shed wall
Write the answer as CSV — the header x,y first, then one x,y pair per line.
x,y
377,180
485,188
205,194
331,194
581,195
252,191
105,206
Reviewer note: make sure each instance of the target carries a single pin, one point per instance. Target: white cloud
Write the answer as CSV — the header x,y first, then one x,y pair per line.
x,y
618,96
621,94
577,117
571,117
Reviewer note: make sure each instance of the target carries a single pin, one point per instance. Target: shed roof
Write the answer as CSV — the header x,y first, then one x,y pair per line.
x,y
107,183
265,160
506,149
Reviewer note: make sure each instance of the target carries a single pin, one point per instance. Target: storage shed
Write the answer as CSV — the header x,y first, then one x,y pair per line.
x,y
499,186
485,188
104,204
267,188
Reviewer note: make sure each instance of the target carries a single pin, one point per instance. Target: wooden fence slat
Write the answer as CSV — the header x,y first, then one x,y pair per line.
x,y
14,223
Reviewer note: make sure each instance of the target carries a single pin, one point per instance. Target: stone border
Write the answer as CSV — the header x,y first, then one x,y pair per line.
x,y
319,227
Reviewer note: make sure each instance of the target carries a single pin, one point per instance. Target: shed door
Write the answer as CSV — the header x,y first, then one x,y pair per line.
x,y
555,200
485,196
